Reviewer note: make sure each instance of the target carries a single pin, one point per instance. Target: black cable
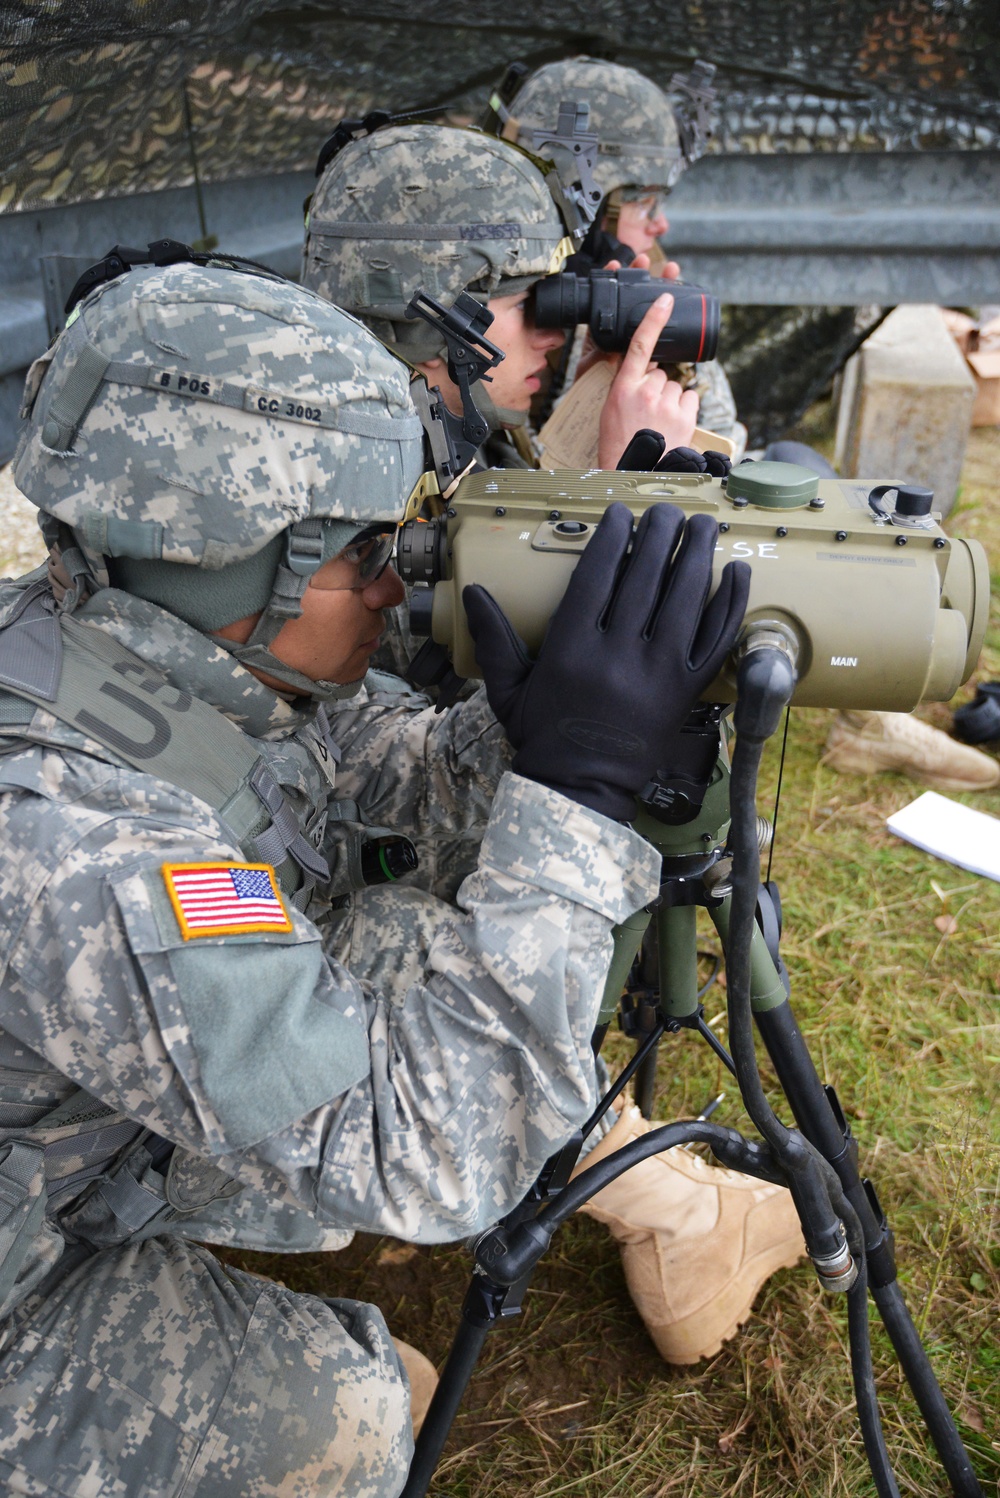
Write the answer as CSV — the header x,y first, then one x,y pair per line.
x,y
865,1393
729,1147
506,1254
859,1334
809,1176
742,919
777,795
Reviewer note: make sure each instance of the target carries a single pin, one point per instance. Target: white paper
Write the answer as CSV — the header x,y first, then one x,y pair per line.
x,y
951,831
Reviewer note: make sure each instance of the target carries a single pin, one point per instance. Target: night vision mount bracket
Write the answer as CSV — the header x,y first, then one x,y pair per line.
x,y
121,258
356,129
572,148
695,109
454,440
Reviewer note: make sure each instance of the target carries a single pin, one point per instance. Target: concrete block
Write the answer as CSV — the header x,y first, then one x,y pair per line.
x,y
22,319
906,405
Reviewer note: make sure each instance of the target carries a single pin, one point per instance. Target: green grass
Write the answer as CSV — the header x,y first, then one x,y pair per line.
x,y
904,1016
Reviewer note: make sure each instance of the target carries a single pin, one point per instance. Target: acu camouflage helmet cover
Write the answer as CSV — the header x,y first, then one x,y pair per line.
x,y
428,207
639,144
208,438
190,414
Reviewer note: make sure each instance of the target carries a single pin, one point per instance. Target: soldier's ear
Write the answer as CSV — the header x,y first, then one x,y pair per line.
x,y
433,369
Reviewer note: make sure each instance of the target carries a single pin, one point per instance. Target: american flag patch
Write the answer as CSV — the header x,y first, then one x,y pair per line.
x,y
225,899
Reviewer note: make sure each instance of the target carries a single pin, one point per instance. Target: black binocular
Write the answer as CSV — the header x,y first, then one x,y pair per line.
x,y
613,303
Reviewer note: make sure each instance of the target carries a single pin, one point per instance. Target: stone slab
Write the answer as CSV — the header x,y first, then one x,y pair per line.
x,y
906,405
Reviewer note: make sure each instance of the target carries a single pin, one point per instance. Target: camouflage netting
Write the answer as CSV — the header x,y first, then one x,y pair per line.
x,y
103,98
781,359
110,97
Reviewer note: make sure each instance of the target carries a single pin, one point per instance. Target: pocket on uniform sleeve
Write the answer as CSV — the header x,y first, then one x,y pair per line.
x,y
243,997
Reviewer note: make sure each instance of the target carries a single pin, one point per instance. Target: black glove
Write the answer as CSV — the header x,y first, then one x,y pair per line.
x,y
628,652
689,460
645,454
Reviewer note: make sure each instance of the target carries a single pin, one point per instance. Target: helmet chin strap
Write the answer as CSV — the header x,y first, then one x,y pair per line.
x,y
257,657
303,556
497,416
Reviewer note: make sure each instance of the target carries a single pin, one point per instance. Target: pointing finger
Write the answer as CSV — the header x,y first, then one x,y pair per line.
x,y
640,350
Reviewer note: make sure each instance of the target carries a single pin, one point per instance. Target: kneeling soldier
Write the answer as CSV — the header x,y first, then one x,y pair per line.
x,y
191,771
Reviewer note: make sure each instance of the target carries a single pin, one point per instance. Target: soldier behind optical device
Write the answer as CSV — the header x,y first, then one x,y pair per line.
x,y
392,216
189,744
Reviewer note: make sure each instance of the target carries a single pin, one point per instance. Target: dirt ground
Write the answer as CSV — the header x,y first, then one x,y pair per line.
x,y
21,546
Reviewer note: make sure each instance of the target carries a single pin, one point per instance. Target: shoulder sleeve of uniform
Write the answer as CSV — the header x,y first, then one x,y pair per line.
x,y
237,979
109,971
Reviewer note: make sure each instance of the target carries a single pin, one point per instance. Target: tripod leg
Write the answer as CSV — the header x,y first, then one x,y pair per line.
x,y
814,1113
644,1080
484,1304
817,1114
674,949
644,1083
677,942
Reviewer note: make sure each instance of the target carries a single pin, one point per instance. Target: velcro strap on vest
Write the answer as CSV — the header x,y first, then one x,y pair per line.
x,y
30,644
69,407
284,831
132,1203
325,731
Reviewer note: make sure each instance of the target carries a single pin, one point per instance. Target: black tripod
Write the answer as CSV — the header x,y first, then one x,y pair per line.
x,y
849,1241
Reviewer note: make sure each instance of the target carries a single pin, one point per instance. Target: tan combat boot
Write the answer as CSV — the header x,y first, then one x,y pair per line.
x,y
697,1242
423,1380
865,743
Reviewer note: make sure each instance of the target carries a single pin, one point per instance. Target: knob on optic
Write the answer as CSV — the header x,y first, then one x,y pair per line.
x,y
421,550
913,501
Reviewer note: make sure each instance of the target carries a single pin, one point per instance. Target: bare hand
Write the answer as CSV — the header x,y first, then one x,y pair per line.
x,y
670,271
642,396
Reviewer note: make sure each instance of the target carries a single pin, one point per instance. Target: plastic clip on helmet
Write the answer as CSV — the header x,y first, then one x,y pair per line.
x,y
205,438
430,208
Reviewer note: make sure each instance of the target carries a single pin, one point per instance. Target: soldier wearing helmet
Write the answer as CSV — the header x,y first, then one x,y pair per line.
x,y
427,207
696,1244
193,764
641,154
412,207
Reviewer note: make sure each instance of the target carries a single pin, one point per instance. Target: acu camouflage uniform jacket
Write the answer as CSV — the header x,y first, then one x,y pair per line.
x,y
299,1102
